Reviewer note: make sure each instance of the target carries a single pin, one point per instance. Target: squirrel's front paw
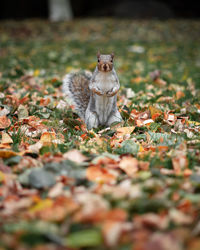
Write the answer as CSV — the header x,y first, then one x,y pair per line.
x,y
111,93
97,91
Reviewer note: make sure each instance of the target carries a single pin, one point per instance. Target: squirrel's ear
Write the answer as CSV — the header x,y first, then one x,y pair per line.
x,y
98,54
112,55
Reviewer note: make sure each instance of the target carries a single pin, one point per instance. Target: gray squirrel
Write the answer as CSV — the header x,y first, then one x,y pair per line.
x,y
94,96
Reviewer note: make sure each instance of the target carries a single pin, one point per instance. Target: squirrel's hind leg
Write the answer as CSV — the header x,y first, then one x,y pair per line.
x,y
91,119
115,117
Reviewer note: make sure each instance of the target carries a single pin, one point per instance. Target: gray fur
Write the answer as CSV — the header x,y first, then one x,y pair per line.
x,y
94,109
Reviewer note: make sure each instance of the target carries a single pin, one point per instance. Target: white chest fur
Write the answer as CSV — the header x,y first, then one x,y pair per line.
x,y
105,81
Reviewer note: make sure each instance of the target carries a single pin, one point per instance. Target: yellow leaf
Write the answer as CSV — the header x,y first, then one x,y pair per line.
x,y
1,176
69,68
41,205
193,122
124,131
92,65
36,72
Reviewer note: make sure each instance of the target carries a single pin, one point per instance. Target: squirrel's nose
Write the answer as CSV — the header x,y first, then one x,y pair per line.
x,y
105,66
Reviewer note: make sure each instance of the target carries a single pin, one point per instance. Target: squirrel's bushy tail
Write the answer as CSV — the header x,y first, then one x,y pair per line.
x,y
76,87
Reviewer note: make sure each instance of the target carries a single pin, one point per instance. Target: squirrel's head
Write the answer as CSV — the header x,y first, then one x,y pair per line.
x,y
105,62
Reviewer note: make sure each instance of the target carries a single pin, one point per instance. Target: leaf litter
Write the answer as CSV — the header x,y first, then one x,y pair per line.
x,y
134,185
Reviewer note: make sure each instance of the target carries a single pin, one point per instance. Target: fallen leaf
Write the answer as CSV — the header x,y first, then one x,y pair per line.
x,y
22,112
111,232
7,153
47,138
120,132
4,122
100,175
179,163
6,139
75,155
129,165
179,94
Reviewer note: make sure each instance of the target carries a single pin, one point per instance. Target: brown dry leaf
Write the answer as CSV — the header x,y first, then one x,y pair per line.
x,y
57,210
56,190
35,148
13,205
5,146
6,139
100,175
194,244
45,101
120,132
75,155
179,94
144,165
4,122
93,207
179,163
7,153
129,165
151,220
94,144
154,112
106,161
167,99
160,82
162,241
180,218
111,232
137,79
116,214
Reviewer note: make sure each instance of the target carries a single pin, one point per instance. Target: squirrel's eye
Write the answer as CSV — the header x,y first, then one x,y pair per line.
x,y
111,61
98,60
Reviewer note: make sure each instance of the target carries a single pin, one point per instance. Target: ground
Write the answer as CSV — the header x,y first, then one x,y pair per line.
x,y
133,186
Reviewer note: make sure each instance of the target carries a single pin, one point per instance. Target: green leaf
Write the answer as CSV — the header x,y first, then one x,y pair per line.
x,y
31,227
84,238
167,139
128,147
13,160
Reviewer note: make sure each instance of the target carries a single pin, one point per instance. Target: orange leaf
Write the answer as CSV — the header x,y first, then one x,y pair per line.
x,y
154,111
4,122
44,101
137,79
116,214
47,138
179,94
129,165
162,148
7,153
179,163
100,175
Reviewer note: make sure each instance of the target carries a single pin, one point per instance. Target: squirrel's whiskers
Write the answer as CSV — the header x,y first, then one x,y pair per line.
x,y
105,62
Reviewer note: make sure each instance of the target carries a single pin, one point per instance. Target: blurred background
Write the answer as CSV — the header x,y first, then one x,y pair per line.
x,y
58,10
48,38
